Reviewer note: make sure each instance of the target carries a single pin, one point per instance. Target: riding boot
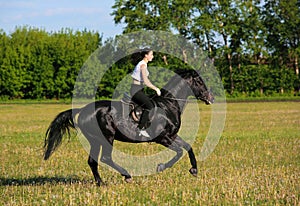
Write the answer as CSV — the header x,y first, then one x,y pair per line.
x,y
144,119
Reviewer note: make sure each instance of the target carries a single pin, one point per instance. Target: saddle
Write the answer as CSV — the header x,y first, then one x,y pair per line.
x,y
130,109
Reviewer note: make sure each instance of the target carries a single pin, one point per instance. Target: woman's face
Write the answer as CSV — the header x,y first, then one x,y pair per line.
x,y
149,56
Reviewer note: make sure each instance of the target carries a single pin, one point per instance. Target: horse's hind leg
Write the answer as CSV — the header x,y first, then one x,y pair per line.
x,y
93,161
106,157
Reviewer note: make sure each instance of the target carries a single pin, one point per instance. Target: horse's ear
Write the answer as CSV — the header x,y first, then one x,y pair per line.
x,y
198,71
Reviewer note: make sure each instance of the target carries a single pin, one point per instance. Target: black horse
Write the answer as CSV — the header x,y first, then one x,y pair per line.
x,y
102,122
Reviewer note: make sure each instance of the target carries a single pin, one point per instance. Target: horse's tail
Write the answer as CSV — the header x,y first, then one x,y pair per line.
x,y
57,129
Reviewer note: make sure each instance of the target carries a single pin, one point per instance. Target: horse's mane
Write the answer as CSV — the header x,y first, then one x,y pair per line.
x,y
183,74
176,80
186,73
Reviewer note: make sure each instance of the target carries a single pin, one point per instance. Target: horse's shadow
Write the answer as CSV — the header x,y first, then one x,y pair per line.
x,y
41,180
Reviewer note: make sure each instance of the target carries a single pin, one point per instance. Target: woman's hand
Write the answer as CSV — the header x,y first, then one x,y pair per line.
x,y
158,92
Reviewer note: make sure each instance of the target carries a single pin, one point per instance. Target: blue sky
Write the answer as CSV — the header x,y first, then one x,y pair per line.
x,y
52,15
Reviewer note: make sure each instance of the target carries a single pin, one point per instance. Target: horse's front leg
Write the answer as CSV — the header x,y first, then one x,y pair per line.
x,y
189,149
176,146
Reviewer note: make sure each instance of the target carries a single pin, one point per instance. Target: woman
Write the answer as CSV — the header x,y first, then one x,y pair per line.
x,y
140,79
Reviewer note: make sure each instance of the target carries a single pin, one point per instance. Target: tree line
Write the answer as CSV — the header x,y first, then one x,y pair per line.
x,y
36,64
253,44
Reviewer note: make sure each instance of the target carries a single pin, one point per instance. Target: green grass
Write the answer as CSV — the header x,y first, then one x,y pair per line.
x,y
256,162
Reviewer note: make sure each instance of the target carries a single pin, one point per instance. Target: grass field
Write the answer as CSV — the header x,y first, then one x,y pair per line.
x,y
257,162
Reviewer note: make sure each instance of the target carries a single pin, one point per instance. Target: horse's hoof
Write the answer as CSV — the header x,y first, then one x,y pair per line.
x,y
193,171
128,180
160,167
100,183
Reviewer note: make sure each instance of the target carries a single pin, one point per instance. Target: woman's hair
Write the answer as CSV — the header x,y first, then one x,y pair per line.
x,y
139,54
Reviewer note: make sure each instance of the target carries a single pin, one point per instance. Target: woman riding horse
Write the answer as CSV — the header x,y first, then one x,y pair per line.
x,y
100,121
140,78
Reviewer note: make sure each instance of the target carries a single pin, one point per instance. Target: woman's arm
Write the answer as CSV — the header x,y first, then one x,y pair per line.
x,y
147,82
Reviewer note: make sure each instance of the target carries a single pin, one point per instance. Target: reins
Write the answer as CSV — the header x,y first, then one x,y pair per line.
x,y
177,99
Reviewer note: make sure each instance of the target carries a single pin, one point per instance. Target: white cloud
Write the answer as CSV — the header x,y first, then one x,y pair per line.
x,y
17,4
56,14
62,11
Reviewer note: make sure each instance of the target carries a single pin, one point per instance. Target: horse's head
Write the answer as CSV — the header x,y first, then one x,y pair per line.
x,y
188,82
198,87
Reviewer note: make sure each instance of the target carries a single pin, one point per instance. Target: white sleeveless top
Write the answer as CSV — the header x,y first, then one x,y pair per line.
x,y
137,73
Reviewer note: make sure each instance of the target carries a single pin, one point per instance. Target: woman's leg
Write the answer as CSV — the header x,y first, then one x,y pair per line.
x,y
144,119
144,101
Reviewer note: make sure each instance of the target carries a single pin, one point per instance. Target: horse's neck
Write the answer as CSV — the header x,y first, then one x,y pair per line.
x,y
180,93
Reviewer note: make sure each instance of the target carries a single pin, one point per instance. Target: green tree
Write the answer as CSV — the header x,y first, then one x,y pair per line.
x,y
37,64
142,15
14,65
282,21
